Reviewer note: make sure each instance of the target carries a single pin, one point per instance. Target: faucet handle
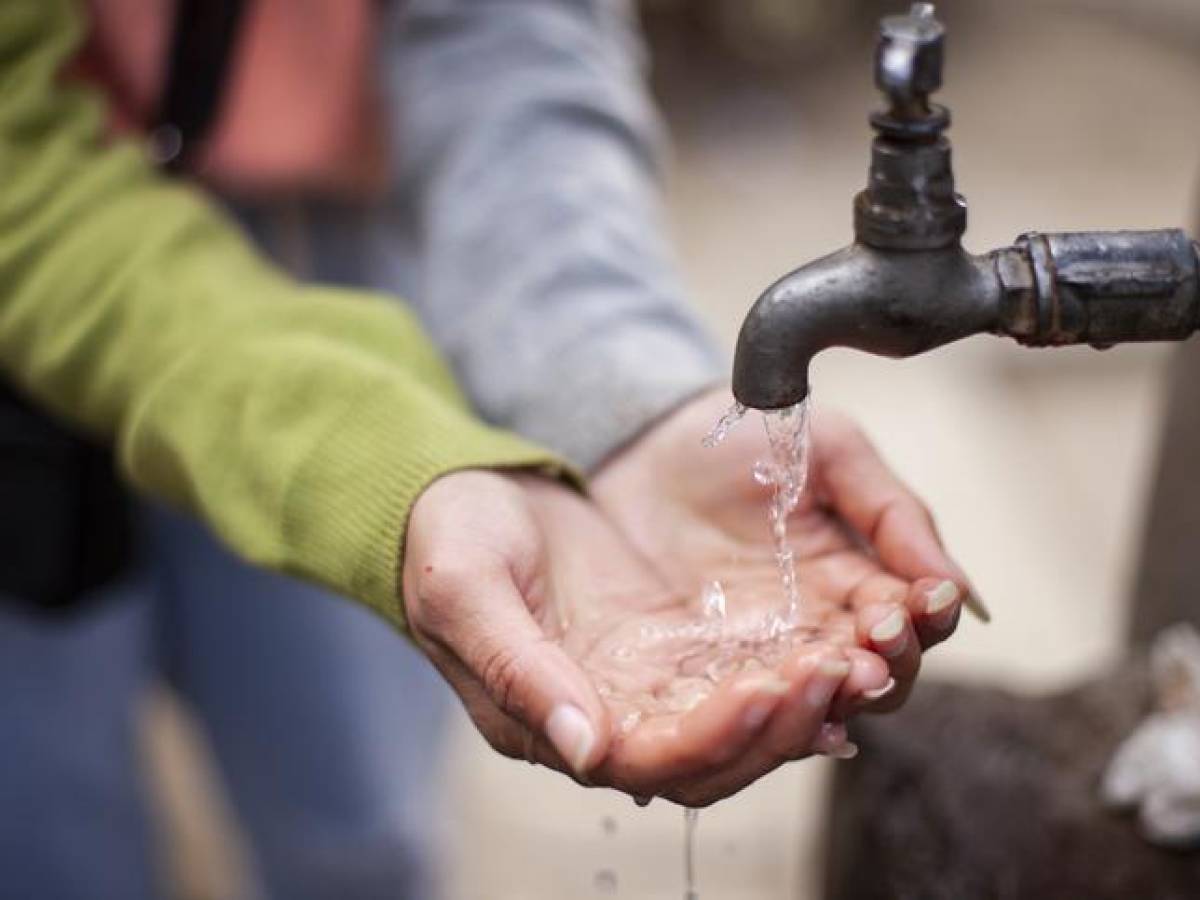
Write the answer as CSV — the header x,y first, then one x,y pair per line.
x,y
910,202
908,59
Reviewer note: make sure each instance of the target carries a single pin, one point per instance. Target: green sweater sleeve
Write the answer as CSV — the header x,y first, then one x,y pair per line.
x,y
299,423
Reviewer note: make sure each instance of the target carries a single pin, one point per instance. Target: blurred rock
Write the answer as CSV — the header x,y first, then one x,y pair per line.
x,y
978,793
1156,769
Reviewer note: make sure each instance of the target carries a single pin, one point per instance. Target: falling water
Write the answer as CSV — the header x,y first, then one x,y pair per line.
x,y
786,473
690,818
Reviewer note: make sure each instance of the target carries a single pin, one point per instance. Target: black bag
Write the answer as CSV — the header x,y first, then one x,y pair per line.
x,y
65,522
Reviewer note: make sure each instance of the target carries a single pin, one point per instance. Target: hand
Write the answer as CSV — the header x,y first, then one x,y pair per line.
x,y
532,604
871,568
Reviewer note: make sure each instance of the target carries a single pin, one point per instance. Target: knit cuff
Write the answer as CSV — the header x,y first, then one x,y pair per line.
x,y
347,507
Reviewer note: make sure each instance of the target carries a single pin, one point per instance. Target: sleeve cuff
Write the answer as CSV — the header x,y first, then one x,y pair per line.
x,y
615,386
347,508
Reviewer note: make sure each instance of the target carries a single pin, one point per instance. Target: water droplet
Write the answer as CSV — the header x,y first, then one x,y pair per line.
x,y
764,473
650,633
608,825
720,668
606,881
687,695
642,801
712,600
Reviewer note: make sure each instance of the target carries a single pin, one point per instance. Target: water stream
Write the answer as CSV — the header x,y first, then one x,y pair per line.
x,y
714,637
690,818
786,473
788,437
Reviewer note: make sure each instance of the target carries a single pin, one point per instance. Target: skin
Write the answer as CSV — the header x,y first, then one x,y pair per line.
x,y
864,544
523,593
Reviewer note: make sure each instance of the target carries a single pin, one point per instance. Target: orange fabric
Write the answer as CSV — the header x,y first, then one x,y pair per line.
x,y
300,110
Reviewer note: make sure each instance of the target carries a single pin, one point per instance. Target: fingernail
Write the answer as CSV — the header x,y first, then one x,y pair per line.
x,y
888,630
571,734
844,750
977,607
834,742
880,692
758,713
763,683
940,598
826,680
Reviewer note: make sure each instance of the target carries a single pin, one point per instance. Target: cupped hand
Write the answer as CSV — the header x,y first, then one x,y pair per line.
x,y
568,649
871,569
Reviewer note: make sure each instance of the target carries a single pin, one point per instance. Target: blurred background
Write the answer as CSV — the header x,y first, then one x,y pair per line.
x,y
1068,114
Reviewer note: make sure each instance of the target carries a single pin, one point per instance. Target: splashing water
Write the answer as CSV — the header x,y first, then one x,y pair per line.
x,y
690,818
724,425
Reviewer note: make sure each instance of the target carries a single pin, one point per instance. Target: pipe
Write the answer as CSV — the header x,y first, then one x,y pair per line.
x,y
1097,288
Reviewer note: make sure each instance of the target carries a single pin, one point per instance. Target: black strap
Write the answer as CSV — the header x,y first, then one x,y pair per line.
x,y
202,46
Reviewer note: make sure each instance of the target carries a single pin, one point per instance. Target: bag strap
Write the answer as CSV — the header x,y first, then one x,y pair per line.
x,y
202,44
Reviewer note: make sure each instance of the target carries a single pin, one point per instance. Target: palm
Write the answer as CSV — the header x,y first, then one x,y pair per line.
x,y
701,520
647,649
680,686
701,517
865,548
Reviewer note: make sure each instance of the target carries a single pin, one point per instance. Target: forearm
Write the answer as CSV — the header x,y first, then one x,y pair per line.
x,y
527,151
300,424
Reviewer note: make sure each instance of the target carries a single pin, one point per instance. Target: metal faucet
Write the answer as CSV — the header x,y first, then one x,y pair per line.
x,y
906,285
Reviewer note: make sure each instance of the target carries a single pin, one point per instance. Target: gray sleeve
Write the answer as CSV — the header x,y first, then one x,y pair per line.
x,y
526,225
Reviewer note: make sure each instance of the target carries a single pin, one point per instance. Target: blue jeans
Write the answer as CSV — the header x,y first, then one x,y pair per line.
x,y
326,726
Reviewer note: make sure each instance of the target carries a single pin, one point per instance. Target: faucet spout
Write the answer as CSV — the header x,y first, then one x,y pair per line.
x,y
888,302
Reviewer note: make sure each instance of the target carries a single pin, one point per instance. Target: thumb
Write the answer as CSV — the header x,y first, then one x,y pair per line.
x,y
531,678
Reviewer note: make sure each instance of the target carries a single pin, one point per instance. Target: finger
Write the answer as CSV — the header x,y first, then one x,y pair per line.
x,y
834,741
791,733
667,749
887,630
869,681
934,605
864,492
482,620
505,734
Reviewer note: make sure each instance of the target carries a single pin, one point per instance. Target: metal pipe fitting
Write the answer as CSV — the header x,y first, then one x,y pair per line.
x,y
1099,288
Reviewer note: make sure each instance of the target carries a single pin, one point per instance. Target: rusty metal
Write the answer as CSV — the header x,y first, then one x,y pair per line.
x,y
906,285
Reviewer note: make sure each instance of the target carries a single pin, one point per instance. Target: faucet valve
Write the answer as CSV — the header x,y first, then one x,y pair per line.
x,y
908,68
910,202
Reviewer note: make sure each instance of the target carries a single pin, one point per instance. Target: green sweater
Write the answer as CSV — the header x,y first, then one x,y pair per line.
x,y
299,422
